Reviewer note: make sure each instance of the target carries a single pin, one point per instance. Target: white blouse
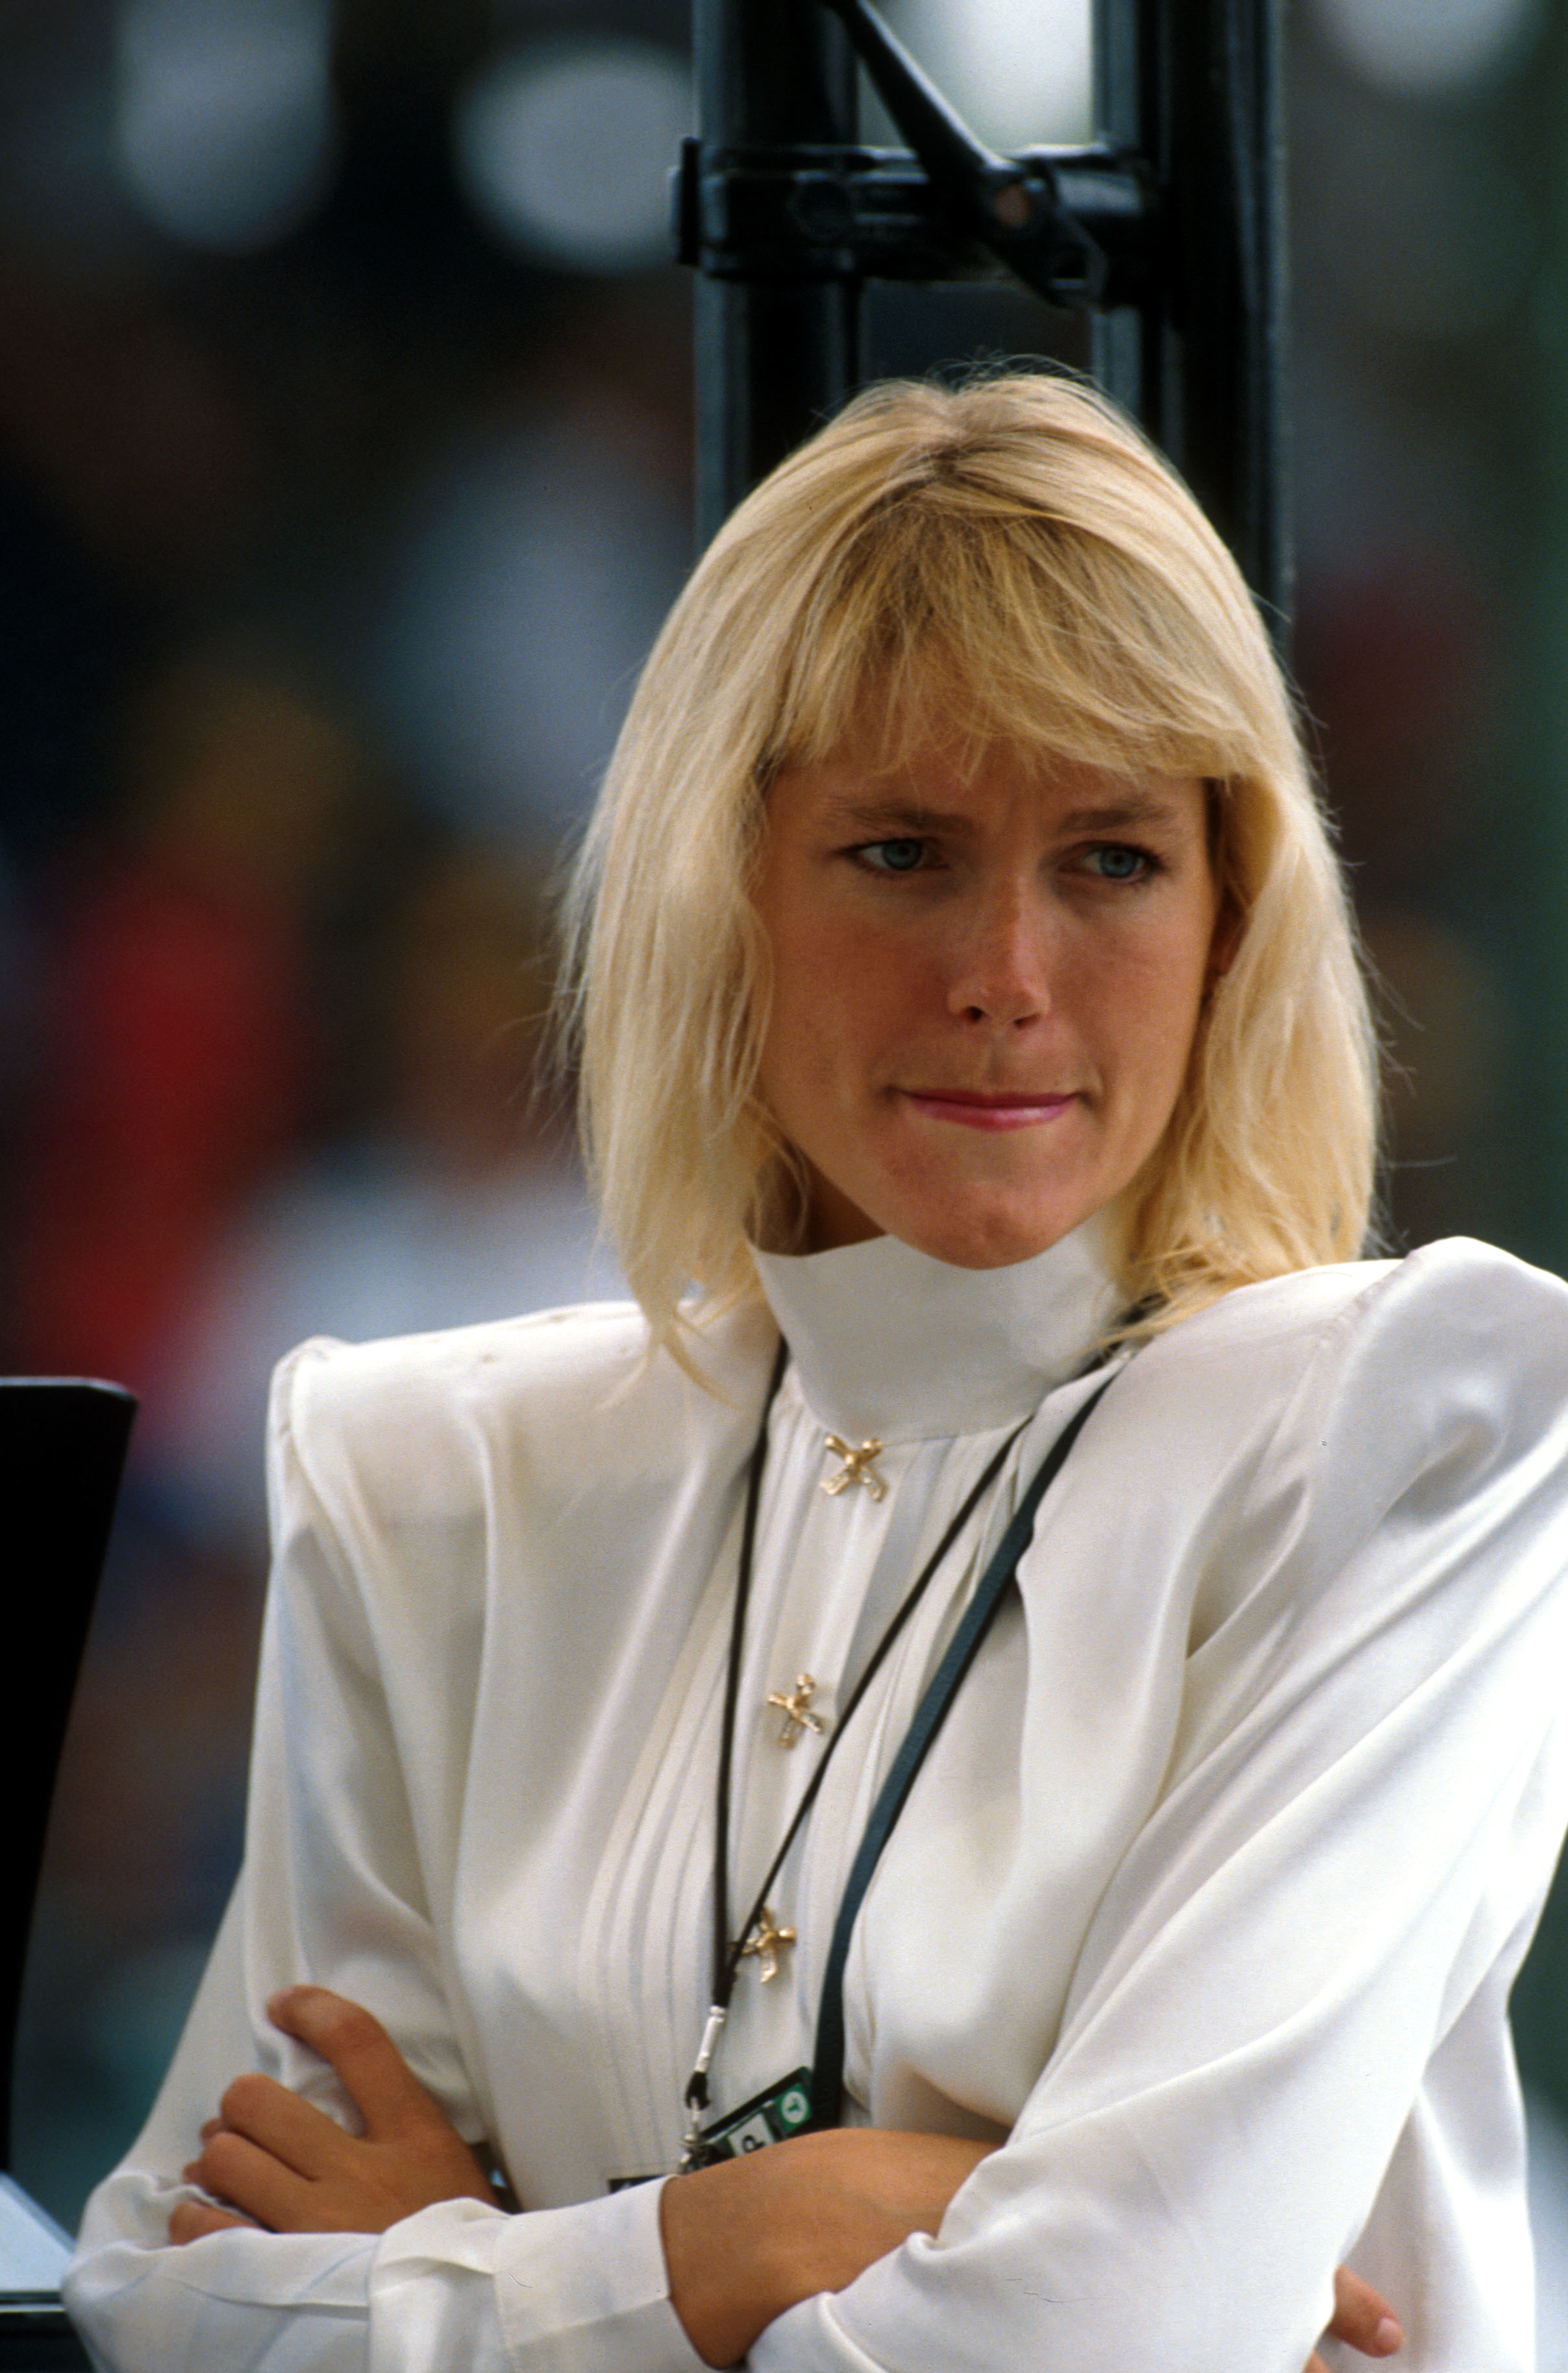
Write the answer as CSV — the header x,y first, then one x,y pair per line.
x,y
1206,1902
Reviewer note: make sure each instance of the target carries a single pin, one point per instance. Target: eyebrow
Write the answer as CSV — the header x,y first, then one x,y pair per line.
x,y
896,812
1138,809
899,813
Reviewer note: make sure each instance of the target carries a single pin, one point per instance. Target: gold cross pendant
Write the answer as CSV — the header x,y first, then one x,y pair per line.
x,y
857,1468
795,1706
766,1943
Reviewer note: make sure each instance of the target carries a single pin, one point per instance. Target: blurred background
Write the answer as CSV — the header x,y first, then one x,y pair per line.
x,y
345,472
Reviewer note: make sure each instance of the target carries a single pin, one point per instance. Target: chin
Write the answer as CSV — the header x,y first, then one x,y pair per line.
x,y
993,1240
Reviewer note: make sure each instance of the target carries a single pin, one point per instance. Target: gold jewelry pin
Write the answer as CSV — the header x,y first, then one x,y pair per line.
x,y
857,1468
766,1943
795,1706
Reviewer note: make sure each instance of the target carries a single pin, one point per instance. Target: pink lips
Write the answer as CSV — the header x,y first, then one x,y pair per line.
x,y
977,1110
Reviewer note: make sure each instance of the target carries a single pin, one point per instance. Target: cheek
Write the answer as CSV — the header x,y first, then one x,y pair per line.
x,y
807,1043
836,997
1158,1000
1180,1015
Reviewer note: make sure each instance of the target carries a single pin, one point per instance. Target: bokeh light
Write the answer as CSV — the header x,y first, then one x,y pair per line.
x,y
224,125
1424,48
566,150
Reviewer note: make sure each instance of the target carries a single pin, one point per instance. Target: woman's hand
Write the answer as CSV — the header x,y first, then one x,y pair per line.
x,y
750,2237
285,2165
1363,2319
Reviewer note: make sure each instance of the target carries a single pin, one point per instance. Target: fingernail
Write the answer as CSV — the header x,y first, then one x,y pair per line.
x,y
1388,2337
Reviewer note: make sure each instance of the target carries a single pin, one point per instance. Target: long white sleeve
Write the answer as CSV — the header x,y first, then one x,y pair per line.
x,y
332,1892
1302,1958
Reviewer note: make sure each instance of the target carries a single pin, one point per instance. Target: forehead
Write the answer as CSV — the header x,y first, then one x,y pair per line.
x,y
937,784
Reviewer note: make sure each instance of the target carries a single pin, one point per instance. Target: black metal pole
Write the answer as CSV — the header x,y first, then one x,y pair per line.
x,y
1197,90
775,356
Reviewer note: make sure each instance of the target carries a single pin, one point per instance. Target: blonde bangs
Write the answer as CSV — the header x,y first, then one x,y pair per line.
x,y
938,617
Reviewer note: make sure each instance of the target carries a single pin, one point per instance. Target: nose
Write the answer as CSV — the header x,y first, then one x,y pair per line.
x,y
1002,971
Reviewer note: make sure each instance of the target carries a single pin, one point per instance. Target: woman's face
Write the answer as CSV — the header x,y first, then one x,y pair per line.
x,y
986,983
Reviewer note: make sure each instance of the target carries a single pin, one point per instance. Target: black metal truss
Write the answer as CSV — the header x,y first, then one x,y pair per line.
x,y
1167,231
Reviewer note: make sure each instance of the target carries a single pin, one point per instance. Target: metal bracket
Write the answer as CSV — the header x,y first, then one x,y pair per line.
x,y
1075,224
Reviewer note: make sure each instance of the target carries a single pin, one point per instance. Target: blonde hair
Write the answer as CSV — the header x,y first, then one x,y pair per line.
x,y
1013,550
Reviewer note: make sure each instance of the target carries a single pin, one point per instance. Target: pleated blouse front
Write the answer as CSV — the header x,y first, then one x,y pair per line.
x,y
1205,1904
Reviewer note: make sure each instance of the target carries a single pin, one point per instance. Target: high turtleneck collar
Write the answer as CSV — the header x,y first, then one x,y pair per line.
x,y
890,1344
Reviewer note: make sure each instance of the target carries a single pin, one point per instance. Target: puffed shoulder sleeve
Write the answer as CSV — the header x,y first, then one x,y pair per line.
x,y
336,1891
1316,1921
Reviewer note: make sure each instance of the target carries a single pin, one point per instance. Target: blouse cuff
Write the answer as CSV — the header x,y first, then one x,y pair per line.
x,y
583,2289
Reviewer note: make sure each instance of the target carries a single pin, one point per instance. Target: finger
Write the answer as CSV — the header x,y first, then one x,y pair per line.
x,y
1363,2317
252,2181
1315,2364
192,2172
192,2220
374,2074
289,2129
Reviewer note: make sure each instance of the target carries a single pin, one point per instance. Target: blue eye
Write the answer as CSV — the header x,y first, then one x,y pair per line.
x,y
1115,863
893,855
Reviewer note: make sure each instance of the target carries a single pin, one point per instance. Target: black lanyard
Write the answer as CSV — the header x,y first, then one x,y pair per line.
x,y
828,2059
728,1950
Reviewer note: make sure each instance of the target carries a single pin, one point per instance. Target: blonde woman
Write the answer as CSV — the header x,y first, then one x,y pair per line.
x,y
1005,1716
